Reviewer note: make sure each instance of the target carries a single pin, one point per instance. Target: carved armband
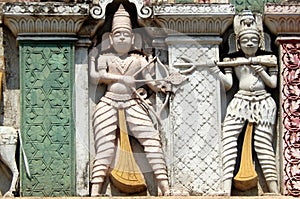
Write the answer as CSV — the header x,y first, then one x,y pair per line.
x,y
273,71
228,70
92,59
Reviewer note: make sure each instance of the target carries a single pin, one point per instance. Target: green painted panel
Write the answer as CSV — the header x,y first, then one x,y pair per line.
x,y
254,5
47,118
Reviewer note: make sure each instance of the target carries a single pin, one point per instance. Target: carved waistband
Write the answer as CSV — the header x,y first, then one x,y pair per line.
x,y
118,97
252,95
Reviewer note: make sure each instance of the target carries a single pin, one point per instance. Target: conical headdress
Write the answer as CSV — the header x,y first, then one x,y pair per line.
x,y
121,19
246,23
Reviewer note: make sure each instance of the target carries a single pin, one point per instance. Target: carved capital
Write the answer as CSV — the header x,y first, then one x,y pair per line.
x,y
282,18
44,18
194,18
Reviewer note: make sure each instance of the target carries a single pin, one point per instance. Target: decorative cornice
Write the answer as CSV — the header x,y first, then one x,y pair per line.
x,y
292,9
53,8
283,18
194,18
44,18
193,9
98,12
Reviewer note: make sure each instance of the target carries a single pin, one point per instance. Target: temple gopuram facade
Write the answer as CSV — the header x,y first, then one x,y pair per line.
x,y
62,132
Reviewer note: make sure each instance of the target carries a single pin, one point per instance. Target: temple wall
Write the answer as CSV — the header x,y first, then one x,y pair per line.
x,y
46,90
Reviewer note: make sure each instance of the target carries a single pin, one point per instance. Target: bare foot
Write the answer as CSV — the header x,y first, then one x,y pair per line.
x,y
9,194
96,189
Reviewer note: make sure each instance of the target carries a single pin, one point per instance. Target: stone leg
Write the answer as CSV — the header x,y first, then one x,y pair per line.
x,y
142,128
105,125
231,131
263,138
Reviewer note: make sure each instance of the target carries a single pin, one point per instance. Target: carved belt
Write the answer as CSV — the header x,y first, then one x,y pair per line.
x,y
252,95
118,97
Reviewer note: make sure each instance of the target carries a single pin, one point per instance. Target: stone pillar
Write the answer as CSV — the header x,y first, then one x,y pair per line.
x,y
193,136
290,112
195,119
46,35
283,21
82,117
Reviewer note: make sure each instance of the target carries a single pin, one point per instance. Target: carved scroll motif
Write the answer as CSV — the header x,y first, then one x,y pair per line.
x,y
291,116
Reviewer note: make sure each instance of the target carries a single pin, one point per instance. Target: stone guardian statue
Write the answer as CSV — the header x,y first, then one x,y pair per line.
x,y
123,111
251,105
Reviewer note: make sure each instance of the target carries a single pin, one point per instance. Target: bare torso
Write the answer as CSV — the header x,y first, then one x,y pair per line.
x,y
248,79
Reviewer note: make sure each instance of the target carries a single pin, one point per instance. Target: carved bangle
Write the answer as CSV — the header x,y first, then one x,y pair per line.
x,y
260,69
228,70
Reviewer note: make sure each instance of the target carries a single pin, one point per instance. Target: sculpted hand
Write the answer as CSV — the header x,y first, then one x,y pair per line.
x,y
93,53
254,60
214,69
257,68
165,87
151,61
128,80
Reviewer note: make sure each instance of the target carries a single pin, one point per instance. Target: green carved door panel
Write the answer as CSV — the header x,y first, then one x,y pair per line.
x,y
47,118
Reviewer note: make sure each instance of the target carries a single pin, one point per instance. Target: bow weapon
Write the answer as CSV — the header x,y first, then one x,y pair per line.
x,y
172,79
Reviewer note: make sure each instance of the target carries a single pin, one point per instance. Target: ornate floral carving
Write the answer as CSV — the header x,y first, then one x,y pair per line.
x,y
194,18
291,116
189,9
45,8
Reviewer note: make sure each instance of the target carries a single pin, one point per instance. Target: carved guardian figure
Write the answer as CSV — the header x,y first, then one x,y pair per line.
x,y
122,111
251,105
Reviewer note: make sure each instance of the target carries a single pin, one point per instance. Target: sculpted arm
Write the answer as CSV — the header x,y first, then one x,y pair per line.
x,y
225,78
147,75
98,71
269,80
271,61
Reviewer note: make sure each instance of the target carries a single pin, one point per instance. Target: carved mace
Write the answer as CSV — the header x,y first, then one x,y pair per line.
x,y
126,175
246,178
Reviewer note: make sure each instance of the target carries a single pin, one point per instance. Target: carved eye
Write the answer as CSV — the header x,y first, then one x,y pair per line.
x,y
254,40
117,34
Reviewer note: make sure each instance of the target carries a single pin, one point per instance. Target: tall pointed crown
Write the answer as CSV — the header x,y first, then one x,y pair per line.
x,y
246,23
121,19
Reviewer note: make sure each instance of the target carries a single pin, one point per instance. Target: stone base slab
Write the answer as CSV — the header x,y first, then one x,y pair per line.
x,y
168,197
